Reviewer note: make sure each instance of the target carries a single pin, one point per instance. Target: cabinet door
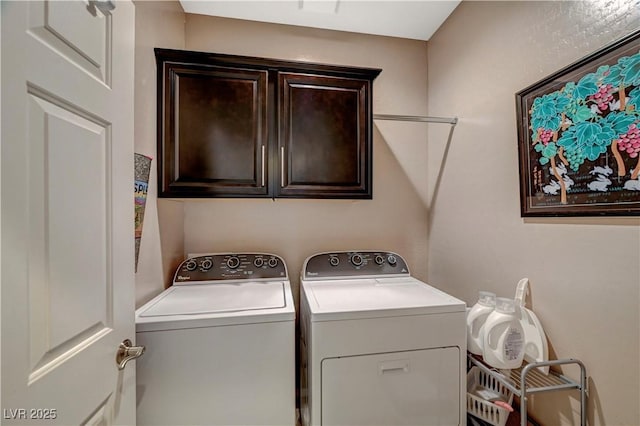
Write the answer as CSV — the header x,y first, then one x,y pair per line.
x,y
325,137
213,136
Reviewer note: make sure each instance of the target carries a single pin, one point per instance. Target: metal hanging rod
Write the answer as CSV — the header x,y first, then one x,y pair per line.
x,y
416,118
426,119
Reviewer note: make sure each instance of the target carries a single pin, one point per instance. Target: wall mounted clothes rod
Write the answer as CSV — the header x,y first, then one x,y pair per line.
x,y
425,119
417,118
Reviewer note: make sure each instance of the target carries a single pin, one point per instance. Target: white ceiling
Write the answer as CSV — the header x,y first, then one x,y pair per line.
x,y
413,19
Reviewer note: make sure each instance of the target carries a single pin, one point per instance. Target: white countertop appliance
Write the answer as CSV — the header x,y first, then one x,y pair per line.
x,y
378,347
220,345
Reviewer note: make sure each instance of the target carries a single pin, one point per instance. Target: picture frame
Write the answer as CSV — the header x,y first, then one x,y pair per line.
x,y
579,136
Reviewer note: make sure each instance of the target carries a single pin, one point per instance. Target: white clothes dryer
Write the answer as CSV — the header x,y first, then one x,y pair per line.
x,y
378,347
219,345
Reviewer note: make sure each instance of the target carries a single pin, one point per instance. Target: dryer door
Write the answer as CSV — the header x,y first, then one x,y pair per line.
x,y
399,388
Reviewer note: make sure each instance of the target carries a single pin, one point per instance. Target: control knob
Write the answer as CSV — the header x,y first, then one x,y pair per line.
x,y
272,262
392,260
334,260
379,259
259,262
191,265
356,260
206,264
233,262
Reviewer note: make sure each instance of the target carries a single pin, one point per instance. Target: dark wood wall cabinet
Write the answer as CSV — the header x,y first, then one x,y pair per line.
x,y
237,126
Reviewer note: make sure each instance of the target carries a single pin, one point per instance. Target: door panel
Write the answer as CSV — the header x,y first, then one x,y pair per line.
x,y
61,238
325,136
67,212
86,43
214,132
402,388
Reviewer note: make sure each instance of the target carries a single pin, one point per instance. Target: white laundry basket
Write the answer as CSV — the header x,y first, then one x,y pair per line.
x,y
481,384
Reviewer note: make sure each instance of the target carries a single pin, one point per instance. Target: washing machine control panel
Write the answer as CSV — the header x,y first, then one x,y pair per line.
x,y
231,266
354,264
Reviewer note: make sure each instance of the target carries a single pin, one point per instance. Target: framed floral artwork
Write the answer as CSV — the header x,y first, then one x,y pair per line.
x,y
579,136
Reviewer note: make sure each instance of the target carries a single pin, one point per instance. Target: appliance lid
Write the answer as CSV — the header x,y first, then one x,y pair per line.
x,y
218,298
373,298
204,305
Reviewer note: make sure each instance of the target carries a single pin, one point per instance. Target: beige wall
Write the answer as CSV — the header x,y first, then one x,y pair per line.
x,y
158,24
584,273
394,220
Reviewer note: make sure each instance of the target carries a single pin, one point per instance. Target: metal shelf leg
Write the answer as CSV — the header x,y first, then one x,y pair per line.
x,y
583,394
523,398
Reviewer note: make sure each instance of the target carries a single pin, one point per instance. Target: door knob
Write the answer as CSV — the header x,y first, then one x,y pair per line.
x,y
127,352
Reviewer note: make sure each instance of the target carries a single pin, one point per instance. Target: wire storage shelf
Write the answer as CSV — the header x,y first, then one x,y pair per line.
x,y
528,380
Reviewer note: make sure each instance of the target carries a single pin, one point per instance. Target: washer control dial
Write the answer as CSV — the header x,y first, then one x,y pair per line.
x,y
379,259
272,262
191,265
356,260
233,262
206,264
334,260
259,262
392,260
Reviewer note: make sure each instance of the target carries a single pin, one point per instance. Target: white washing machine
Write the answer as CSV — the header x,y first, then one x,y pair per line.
x,y
220,345
378,347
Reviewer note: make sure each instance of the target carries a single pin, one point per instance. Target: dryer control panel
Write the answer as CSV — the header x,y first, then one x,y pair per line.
x,y
350,264
230,266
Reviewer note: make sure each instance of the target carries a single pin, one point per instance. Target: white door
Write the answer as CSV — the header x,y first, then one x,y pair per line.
x,y
67,212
